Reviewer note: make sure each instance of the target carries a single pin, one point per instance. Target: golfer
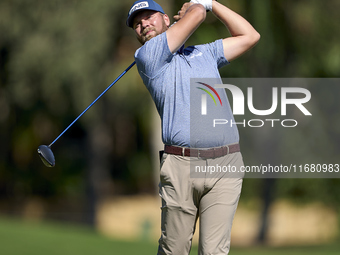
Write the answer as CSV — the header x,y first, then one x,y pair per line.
x,y
166,68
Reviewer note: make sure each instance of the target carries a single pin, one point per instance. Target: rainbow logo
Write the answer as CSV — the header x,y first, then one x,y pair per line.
x,y
204,97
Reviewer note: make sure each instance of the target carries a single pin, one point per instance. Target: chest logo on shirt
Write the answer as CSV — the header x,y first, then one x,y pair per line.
x,y
196,55
204,97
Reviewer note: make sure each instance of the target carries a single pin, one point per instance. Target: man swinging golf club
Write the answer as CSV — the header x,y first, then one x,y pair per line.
x,y
166,68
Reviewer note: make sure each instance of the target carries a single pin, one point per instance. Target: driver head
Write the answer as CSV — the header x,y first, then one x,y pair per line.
x,y
46,155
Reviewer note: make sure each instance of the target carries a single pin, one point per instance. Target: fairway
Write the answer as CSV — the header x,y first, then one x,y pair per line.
x,y
27,238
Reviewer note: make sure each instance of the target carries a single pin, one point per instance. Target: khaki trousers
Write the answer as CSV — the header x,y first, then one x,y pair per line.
x,y
211,197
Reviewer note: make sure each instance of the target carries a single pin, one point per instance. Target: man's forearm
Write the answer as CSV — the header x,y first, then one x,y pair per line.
x,y
244,36
235,23
191,16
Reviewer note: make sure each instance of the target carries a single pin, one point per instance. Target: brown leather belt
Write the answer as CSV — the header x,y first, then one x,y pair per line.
x,y
207,153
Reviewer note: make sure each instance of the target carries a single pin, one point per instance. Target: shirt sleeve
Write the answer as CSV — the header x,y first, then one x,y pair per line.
x,y
154,56
216,49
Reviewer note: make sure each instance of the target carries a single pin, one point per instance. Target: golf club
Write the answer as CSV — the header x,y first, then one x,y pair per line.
x,y
45,151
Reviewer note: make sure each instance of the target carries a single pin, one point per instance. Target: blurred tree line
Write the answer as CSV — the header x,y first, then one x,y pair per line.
x,y
57,56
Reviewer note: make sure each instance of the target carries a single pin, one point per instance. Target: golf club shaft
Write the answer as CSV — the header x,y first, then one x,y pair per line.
x,y
120,76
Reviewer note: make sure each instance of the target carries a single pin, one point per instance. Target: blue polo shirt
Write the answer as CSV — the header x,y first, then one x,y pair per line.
x,y
172,82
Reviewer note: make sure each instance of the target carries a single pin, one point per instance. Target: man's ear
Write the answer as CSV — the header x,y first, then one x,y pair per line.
x,y
167,20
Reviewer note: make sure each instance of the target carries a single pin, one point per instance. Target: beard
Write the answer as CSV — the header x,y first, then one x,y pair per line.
x,y
146,36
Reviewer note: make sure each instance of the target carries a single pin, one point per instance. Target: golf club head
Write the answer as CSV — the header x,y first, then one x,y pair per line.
x,y
46,155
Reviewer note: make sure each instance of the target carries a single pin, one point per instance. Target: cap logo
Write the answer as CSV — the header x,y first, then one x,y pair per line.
x,y
138,6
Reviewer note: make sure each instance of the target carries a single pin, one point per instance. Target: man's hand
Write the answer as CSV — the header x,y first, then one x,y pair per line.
x,y
182,11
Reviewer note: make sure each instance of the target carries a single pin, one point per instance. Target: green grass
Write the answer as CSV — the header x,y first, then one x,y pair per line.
x,y
26,238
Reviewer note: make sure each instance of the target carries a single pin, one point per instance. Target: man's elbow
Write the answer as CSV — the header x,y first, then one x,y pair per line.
x,y
200,12
254,38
